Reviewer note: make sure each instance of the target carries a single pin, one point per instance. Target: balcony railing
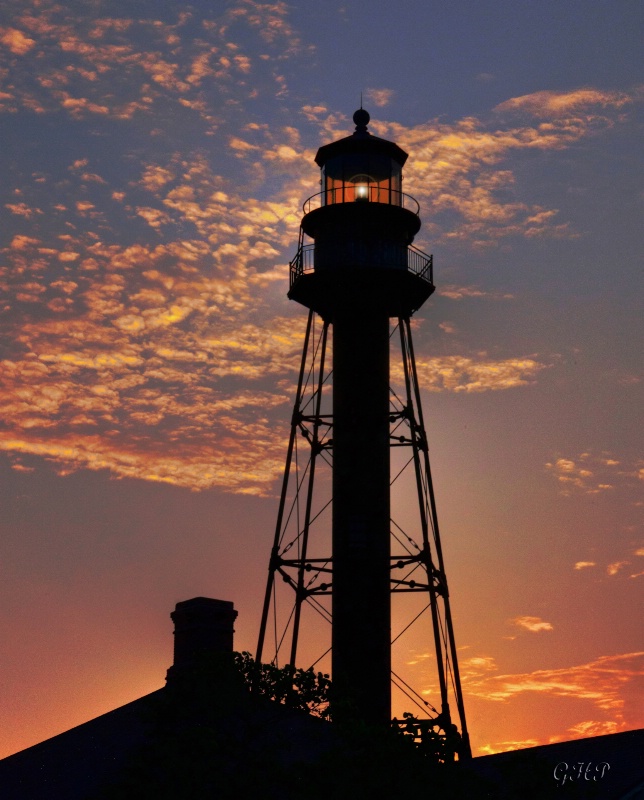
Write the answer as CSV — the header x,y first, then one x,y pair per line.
x,y
347,193
418,263
303,262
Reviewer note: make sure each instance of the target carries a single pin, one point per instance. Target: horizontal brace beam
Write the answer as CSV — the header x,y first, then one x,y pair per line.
x,y
409,590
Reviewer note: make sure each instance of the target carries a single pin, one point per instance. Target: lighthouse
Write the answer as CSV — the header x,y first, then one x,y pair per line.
x,y
357,271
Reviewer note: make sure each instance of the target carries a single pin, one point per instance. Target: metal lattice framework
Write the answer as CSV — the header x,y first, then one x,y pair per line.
x,y
300,558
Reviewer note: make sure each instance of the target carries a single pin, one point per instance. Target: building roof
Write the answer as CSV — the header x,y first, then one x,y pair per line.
x,y
206,735
608,767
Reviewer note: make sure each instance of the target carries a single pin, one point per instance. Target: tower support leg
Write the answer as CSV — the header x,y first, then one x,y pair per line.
x,y
432,551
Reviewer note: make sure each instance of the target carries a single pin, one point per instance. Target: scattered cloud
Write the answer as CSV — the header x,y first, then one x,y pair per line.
x,y
16,41
503,747
461,292
559,104
591,474
458,168
600,681
448,327
588,728
477,665
532,624
379,97
585,564
139,292
153,56
472,374
610,685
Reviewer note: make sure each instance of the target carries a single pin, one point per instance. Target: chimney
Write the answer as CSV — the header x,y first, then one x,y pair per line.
x,y
203,636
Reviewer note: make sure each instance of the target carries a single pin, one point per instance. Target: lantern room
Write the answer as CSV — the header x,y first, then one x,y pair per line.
x,y
357,232
361,178
361,168
365,172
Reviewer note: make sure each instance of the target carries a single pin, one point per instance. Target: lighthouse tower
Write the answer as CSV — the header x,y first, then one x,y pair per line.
x,y
356,270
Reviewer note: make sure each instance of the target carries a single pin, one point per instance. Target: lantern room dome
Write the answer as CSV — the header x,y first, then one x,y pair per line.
x,y
361,142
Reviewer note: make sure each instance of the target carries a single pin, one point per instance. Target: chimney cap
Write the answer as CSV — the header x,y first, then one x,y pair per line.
x,y
204,604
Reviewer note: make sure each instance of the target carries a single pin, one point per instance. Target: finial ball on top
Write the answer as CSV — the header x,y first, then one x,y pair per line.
x,y
361,119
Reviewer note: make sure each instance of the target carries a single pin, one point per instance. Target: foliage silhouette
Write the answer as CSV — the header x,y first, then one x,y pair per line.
x,y
300,689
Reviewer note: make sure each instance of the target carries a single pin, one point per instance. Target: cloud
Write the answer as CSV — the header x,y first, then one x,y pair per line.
x,y
558,104
608,685
462,168
461,292
379,97
16,41
448,327
23,210
469,374
601,682
585,564
588,728
503,747
236,467
139,289
475,666
532,624
133,376
144,398
591,474
153,58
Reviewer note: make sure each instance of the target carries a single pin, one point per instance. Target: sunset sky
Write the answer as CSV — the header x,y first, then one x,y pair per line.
x,y
155,157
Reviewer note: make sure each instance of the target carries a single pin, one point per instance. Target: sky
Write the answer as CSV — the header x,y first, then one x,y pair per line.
x,y
154,163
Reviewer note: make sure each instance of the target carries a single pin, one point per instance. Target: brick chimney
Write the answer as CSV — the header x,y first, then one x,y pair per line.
x,y
203,636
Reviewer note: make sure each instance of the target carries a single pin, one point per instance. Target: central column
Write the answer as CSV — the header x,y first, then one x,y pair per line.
x,y
361,638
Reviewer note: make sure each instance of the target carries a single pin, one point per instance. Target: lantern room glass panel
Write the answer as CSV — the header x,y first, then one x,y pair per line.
x,y
356,178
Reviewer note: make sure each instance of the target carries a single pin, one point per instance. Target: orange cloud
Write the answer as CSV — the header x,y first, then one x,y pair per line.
x,y
590,474
458,167
548,103
154,177
379,97
601,681
94,374
23,210
532,624
460,292
609,685
234,467
466,374
163,328
145,51
16,41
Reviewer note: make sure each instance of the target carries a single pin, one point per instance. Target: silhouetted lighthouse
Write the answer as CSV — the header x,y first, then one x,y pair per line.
x,y
356,268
